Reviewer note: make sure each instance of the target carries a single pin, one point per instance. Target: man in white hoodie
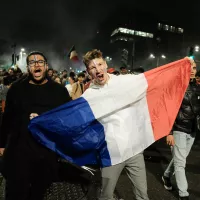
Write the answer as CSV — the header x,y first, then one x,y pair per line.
x,y
134,165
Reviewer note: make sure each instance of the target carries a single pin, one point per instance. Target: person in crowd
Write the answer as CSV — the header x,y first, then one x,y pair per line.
x,y
11,72
111,70
86,74
182,137
117,73
135,166
64,77
78,88
198,77
28,167
123,70
7,81
50,73
138,70
72,80
57,79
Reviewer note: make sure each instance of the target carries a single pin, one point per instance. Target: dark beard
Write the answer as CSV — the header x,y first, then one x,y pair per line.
x,y
37,82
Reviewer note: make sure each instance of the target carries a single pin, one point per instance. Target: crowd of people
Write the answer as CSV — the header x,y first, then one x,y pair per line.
x,y
29,167
76,83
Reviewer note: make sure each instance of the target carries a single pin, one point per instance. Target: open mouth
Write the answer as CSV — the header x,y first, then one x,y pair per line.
x,y
100,77
37,72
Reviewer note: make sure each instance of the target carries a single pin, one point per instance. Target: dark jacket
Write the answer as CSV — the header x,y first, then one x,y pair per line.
x,y
189,110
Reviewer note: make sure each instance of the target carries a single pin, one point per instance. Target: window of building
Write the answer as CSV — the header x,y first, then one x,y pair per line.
x,y
159,26
180,30
114,32
149,35
172,28
166,27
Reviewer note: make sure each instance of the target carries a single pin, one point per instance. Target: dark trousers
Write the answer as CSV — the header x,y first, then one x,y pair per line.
x,y
27,178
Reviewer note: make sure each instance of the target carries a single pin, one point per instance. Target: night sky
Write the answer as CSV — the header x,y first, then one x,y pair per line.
x,y
55,25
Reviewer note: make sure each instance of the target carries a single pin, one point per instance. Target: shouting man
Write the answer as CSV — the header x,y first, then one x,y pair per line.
x,y
134,165
29,168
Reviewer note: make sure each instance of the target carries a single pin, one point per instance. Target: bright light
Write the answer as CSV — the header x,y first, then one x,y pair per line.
x,y
163,56
108,58
196,48
24,53
192,57
70,68
152,56
22,49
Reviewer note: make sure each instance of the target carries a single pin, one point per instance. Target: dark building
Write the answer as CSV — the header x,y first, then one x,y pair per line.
x,y
149,44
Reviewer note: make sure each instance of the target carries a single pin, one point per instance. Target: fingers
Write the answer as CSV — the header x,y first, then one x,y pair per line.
x,y
170,141
191,60
32,115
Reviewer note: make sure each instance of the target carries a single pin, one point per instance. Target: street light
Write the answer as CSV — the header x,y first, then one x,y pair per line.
x,y
163,56
197,48
108,58
22,49
152,56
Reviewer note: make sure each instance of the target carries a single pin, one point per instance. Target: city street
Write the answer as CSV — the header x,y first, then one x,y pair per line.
x,y
157,157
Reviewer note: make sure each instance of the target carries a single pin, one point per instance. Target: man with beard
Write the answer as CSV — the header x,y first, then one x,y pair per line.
x,y
29,168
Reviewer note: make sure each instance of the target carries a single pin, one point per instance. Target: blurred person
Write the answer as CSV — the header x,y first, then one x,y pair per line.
x,y
85,73
28,167
64,72
11,72
182,137
57,79
55,72
123,70
7,81
111,70
78,88
135,165
198,77
71,80
137,71
64,77
117,73
50,73
88,82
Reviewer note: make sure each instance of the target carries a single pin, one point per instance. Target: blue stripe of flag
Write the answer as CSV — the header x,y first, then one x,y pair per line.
x,y
72,131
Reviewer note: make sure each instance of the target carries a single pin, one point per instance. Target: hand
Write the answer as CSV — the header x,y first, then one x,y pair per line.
x,y
191,61
32,115
2,151
170,140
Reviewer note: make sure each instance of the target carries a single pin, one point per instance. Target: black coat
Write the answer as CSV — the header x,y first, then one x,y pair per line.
x,y
189,110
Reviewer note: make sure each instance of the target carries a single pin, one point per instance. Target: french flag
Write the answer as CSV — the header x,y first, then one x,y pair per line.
x,y
114,122
73,56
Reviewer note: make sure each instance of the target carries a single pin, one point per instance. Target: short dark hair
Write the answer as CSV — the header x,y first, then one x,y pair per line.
x,y
138,70
35,53
122,68
198,74
81,75
90,55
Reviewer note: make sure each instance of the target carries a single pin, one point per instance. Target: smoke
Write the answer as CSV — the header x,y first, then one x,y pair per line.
x,y
53,26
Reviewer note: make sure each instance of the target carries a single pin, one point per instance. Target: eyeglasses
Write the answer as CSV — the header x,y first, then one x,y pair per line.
x,y
41,63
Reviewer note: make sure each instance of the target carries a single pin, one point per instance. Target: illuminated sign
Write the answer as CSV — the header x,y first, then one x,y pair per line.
x,y
132,32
